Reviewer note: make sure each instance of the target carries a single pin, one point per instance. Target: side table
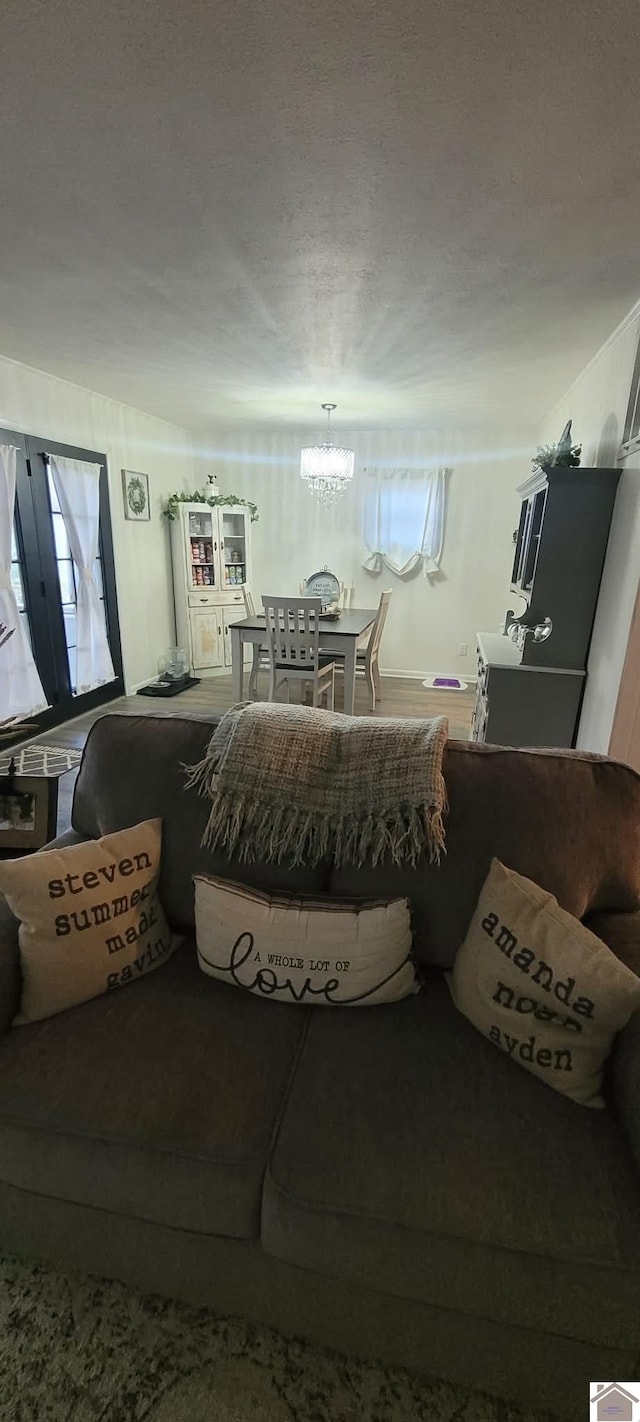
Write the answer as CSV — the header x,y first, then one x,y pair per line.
x,y
29,781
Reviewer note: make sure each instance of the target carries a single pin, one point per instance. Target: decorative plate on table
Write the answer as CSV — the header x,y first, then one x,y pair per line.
x,y
324,585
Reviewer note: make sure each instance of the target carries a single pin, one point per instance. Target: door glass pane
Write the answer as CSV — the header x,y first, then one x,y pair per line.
x,y
44,578
67,585
53,497
16,573
69,614
17,583
60,535
67,580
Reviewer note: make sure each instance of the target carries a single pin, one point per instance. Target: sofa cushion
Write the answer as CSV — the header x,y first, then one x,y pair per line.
x,y
569,821
159,1103
151,753
320,952
541,986
414,1160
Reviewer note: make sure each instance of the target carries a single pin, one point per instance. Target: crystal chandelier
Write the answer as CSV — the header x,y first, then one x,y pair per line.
x,y
327,468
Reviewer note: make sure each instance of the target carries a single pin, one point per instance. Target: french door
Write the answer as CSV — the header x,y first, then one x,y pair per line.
x,y
45,580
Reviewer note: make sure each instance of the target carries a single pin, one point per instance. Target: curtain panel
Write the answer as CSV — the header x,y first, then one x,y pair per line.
x,y
21,691
77,485
404,513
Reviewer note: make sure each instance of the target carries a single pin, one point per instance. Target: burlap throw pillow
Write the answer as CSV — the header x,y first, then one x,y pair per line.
x,y
90,918
540,986
319,952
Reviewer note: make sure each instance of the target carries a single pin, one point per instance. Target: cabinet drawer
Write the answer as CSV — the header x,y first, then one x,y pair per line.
x,y
203,599
482,676
479,718
230,599
212,597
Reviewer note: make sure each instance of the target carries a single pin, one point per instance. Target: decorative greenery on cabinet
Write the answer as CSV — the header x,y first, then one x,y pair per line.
x,y
212,500
565,452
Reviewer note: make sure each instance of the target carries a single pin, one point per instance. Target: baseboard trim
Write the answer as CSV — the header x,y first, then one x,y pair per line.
x,y
406,675
135,685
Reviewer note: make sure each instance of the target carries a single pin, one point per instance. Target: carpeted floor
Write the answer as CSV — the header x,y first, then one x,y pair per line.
x,y
74,1349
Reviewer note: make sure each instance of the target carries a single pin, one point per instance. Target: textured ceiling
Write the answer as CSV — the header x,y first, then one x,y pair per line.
x,y
425,210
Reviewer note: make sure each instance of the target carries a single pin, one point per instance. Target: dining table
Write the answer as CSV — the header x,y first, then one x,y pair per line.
x,y
344,635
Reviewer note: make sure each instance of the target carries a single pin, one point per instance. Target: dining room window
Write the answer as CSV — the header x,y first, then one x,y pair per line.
x,y
404,515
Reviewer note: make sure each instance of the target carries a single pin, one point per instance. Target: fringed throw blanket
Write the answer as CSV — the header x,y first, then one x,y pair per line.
x,y
292,782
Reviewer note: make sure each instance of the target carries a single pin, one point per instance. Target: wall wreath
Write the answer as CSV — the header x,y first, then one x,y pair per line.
x,y
135,488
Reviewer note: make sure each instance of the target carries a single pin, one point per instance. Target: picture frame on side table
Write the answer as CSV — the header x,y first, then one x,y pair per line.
x,y
135,494
25,812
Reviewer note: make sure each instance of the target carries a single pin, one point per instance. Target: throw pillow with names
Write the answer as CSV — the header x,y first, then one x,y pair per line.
x,y
318,952
90,918
541,986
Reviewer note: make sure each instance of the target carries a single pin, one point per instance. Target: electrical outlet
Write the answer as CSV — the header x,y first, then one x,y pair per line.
x,y
463,649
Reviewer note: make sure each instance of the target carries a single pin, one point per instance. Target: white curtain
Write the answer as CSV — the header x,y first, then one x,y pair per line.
x,y
404,520
78,488
21,692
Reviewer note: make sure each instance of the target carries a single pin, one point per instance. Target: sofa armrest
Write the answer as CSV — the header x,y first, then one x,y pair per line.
x,y
10,975
621,933
624,1082
64,841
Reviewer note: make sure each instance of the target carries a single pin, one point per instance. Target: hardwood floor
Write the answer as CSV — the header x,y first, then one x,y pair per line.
x,y
401,696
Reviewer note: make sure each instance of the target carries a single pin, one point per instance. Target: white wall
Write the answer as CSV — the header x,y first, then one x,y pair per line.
x,y
294,536
597,404
40,404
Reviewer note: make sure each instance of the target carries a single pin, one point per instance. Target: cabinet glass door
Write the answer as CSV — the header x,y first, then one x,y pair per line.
x,y
202,548
522,545
519,550
234,549
533,541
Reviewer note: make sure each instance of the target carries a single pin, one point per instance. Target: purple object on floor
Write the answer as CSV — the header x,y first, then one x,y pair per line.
x,y
446,681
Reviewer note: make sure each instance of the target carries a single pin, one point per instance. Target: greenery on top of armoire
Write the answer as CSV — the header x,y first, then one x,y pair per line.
x,y
549,456
170,510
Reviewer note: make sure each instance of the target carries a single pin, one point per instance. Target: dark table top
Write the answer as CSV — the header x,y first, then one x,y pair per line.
x,y
351,623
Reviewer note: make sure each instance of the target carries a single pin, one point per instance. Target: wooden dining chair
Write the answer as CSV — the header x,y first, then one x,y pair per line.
x,y
261,659
293,633
367,660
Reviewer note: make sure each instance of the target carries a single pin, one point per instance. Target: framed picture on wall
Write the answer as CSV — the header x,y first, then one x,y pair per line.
x,y
135,492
